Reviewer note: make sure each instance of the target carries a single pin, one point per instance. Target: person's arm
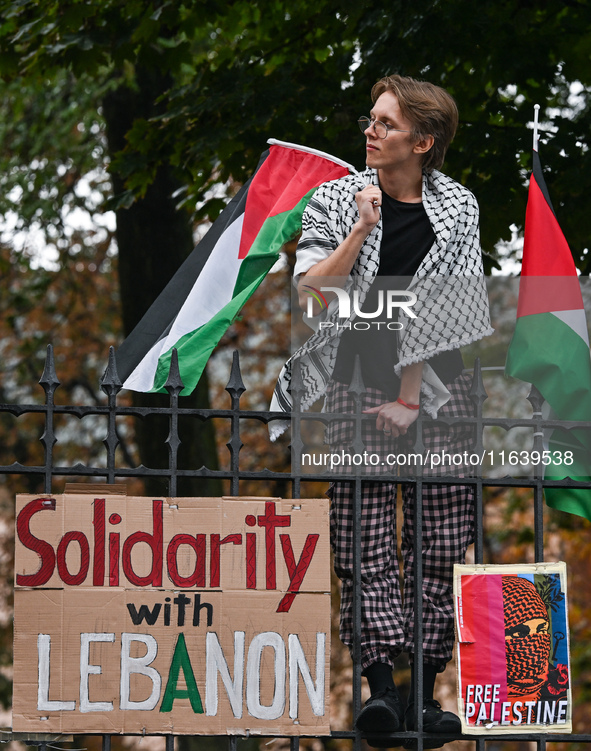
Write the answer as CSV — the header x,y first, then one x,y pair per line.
x,y
340,262
394,417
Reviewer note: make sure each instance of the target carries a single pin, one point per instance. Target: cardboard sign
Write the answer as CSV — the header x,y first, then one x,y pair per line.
x,y
184,615
513,648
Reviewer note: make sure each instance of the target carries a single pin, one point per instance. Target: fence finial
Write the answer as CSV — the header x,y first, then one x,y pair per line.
x,y
235,386
477,393
536,400
174,383
49,380
357,387
110,382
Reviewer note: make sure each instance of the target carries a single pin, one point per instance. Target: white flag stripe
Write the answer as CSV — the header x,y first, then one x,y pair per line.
x,y
142,378
211,292
576,320
214,286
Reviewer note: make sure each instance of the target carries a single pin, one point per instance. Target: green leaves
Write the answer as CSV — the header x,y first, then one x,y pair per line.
x,y
238,73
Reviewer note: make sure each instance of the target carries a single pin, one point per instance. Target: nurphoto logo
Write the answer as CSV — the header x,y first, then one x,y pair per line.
x,y
388,303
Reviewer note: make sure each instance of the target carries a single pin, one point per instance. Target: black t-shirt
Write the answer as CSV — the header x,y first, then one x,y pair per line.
x,y
407,237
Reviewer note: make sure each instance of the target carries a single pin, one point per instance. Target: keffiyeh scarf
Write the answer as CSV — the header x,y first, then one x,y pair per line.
x,y
452,304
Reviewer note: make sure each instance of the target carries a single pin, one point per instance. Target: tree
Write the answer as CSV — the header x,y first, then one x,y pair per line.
x,y
153,237
228,76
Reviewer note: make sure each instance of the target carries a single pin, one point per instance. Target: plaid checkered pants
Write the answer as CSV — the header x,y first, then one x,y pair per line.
x,y
387,614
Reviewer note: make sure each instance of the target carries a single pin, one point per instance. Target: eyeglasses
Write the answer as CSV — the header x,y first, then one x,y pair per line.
x,y
380,129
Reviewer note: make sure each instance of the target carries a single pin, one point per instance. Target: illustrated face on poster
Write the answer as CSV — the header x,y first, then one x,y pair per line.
x,y
527,638
513,659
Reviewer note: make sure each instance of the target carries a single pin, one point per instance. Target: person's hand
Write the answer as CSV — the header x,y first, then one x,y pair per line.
x,y
368,202
393,419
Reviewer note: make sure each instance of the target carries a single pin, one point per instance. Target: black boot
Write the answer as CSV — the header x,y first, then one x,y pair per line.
x,y
383,712
436,721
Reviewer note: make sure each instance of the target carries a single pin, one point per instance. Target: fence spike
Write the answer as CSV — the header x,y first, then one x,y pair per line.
x,y
357,387
110,382
297,389
536,400
49,380
235,386
174,383
478,393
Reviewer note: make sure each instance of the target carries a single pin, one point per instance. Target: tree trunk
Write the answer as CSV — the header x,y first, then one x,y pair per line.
x,y
153,240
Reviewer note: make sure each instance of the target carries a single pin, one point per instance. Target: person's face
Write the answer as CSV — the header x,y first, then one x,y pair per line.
x,y
527,649
398,149
533,626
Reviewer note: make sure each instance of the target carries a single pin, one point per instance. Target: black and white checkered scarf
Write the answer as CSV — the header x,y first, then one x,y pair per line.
x,y
452,303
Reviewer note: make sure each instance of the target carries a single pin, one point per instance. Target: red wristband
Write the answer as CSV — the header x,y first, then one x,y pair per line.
x,y
408,406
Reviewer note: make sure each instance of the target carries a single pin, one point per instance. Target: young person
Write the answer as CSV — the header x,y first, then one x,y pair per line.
x,y
400,218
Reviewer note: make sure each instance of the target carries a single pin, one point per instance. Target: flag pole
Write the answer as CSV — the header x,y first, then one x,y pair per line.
x,y
536,124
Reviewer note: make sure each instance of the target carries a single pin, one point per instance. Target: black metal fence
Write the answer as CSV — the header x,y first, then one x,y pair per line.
x,y
109,471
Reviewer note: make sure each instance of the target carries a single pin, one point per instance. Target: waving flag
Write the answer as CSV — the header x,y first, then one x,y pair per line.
x,y
550,345
210,288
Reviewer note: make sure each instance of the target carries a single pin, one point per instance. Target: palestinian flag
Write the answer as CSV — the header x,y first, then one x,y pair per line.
x,y
210,288
550,345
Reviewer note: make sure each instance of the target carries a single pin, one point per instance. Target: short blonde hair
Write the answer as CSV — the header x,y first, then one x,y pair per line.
x,y
430,109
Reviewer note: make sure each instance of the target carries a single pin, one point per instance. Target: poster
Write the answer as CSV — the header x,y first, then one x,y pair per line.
x,y
161,615
513,648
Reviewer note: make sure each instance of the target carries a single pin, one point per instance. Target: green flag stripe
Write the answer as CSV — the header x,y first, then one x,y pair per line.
x,y
195,347
547,352
572,447
571,500
275,232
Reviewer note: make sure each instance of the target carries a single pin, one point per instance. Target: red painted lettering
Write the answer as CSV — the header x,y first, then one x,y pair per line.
x,y
269,521
98,521
296,572
43,549
197,578
251,560
214,564
114,559
62,565
155,541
